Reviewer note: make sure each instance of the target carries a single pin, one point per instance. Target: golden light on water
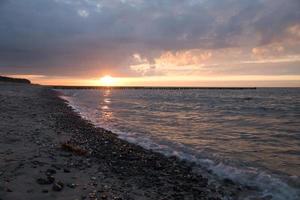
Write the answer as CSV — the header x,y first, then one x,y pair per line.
x,y
107,80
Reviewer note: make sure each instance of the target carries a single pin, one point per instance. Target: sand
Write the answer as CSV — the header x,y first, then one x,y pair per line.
x,y
47,151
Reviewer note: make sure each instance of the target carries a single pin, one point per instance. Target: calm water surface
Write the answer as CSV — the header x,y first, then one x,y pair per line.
x,y
250,136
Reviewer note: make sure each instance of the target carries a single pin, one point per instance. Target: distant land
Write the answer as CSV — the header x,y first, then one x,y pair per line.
x,y
14,80
147,87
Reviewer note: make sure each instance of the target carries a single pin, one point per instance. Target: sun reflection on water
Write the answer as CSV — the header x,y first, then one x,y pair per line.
x,y
105,106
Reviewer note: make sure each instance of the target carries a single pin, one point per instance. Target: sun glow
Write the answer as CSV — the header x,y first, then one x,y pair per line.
x,y
107,80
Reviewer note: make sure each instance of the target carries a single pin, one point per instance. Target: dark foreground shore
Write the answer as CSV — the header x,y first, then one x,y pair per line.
x,y
47,151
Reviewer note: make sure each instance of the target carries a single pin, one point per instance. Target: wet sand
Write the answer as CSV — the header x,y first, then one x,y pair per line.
x,y
47,151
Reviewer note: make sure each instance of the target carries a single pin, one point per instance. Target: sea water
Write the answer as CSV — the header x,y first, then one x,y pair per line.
x,y
249,136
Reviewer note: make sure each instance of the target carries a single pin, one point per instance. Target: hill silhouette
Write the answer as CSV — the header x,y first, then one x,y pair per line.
x,y
14,80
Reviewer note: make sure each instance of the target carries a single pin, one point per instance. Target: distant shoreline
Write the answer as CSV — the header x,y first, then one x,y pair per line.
x,y
150,88
14,80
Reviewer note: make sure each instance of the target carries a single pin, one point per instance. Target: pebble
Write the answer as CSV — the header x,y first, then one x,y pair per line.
x,y
66,170
8,190
58,186
92,195
65,154
135,165
51,179
94,184
56,166
103,196
47,181
228,181
71,185
50,172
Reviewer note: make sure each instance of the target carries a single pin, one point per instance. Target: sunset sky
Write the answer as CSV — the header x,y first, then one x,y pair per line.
x,y
152,42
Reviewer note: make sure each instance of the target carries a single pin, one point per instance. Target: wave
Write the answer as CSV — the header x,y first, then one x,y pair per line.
x,y
263,184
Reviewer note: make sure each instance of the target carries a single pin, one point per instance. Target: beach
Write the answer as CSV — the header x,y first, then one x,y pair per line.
x,y
49,152
149,100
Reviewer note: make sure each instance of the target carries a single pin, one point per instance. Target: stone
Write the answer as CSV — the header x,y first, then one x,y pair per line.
x,y
56,166
228,181
58,186
43,181
92,195
103,196
51,179
66,170
71,185
50,172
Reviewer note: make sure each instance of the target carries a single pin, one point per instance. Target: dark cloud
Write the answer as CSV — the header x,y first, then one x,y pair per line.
x,y
84,36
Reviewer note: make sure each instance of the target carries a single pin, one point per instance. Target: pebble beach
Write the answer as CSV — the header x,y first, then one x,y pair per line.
x,y
47,151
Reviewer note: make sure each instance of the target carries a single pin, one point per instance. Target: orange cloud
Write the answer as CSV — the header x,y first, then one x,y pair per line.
x,y
182,58
294,30
268,51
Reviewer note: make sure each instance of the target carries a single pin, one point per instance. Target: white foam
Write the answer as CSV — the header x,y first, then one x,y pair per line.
x,y
268,184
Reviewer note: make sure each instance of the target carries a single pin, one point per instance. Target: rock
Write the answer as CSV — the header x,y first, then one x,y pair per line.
x,y
93,178
50,172
250,187
51,179
228,181
65,154
103,196
66,170
71,185
58,186
176,188
43,181
56,166
92,195
61,183
94,184
203,182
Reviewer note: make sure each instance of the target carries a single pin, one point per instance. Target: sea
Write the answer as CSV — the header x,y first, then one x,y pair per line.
x,y
251,136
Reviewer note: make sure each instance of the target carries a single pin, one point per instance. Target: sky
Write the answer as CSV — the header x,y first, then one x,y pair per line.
x,y
152,42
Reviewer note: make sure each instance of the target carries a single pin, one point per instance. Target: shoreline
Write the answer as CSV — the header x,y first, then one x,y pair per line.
x,y
90,162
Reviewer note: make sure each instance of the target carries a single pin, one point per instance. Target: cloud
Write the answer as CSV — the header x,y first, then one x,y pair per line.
x,y
294,30
181,58
75,37
83,13
268,51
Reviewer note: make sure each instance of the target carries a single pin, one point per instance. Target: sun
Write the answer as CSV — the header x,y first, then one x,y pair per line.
x,y
107,80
